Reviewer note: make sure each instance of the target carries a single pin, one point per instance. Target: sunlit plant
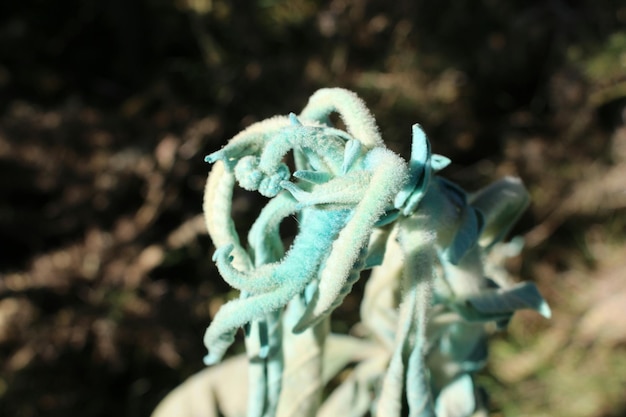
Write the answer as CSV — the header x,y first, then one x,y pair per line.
x,y
428,304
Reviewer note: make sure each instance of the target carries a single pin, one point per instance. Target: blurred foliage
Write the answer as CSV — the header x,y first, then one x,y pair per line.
x,y
107,108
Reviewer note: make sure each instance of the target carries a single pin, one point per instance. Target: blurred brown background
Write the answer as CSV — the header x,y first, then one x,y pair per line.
x,y
107,109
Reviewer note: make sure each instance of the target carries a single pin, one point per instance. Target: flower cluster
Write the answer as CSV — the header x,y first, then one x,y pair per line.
x,y
359,206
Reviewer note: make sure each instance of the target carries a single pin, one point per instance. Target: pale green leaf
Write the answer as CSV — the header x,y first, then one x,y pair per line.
x,y
457,399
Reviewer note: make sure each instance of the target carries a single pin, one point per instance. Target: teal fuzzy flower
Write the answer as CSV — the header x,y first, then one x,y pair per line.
x,y
343,185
